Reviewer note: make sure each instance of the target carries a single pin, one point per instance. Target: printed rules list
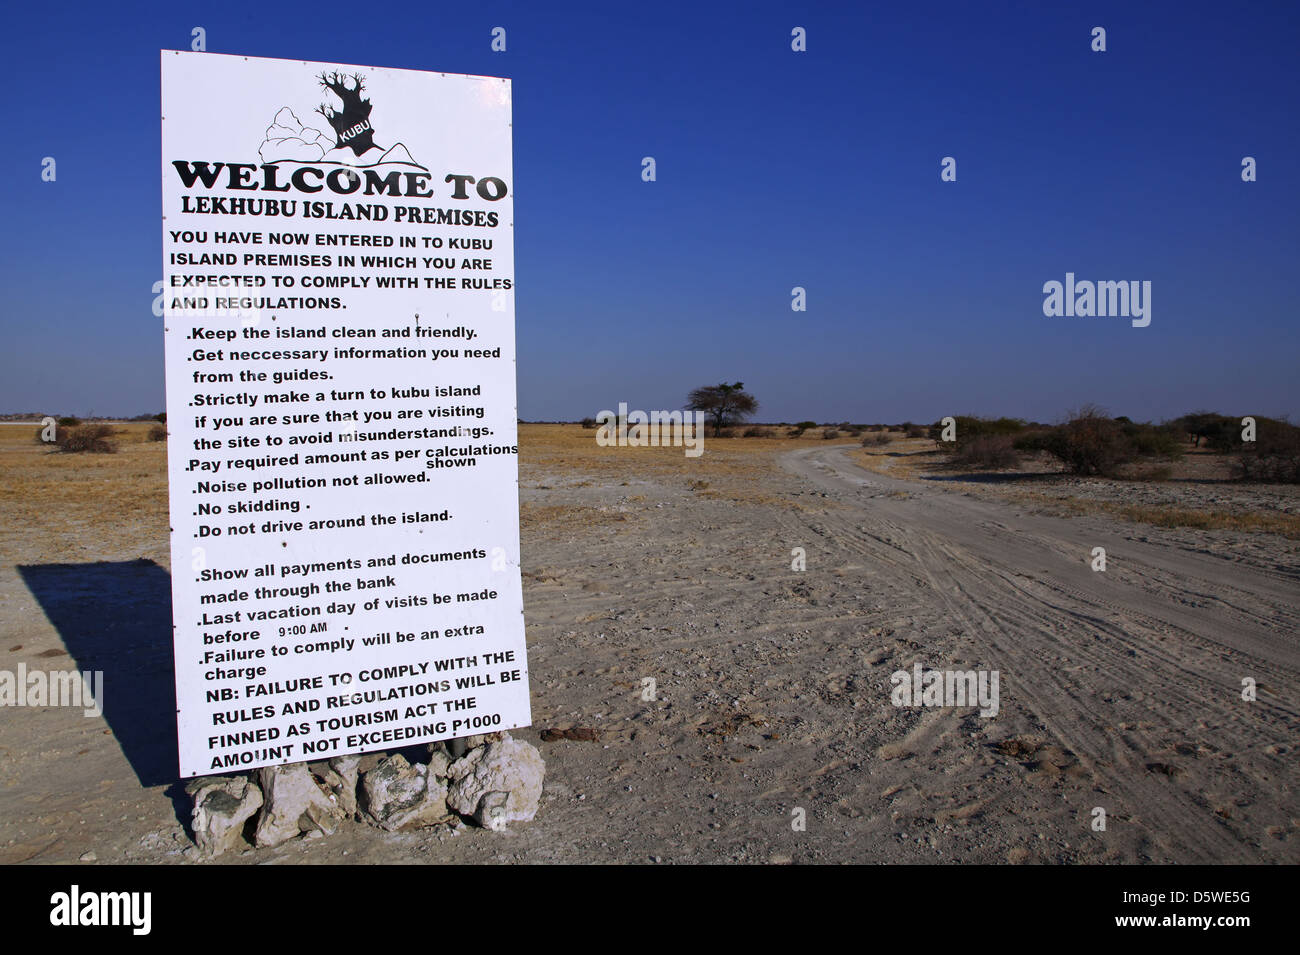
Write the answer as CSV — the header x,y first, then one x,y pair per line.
x,y
338,299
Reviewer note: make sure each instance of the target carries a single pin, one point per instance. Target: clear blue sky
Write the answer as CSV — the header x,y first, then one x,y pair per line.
x,y
775,169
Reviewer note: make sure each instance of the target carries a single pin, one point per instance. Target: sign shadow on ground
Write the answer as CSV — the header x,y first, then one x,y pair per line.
x,y
116,617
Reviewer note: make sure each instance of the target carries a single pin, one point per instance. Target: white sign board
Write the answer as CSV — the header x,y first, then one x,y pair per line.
x,y
338,281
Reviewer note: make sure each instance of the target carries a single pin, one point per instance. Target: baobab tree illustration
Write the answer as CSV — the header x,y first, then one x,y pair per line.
x,y
352,123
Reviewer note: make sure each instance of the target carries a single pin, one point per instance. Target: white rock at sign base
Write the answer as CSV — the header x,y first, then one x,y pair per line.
x,y
497,784
340,777
294,803
399,795
222,804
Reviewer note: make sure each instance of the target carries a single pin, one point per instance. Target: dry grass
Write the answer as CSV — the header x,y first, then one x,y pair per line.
x,y
910,459
728,468
903,458
66,500
43,491
568,516
571,447
61,497
1268,522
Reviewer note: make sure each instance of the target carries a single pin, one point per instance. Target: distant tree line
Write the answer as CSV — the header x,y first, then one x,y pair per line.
x,y
1091,442
1088,442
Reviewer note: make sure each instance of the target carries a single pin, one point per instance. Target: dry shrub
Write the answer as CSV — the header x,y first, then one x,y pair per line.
x,y
878,440
987,451
1088,443
158,433
1162,472
94,438
757,432
969,427
1274,455
830,433
1091,442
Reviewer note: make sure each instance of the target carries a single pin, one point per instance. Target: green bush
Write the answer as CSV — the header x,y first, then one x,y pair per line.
x,y
1219,432
1151,440
971,428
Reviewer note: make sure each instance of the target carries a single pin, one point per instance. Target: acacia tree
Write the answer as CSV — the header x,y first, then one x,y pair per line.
x,y
724,404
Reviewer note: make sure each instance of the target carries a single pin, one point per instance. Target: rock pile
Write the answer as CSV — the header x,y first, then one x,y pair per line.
x,y
497,784
491,780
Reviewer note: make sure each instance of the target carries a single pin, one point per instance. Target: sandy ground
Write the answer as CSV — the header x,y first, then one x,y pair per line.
x,y
1119,690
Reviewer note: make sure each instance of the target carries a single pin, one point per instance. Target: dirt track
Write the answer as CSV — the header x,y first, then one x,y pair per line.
x,y
1135,671
1119,690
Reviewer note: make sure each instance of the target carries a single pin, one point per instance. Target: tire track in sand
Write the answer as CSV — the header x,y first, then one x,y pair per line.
x,y
1140,684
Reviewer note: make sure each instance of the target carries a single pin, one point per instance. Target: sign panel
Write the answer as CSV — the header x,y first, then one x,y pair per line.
x,y
339,308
